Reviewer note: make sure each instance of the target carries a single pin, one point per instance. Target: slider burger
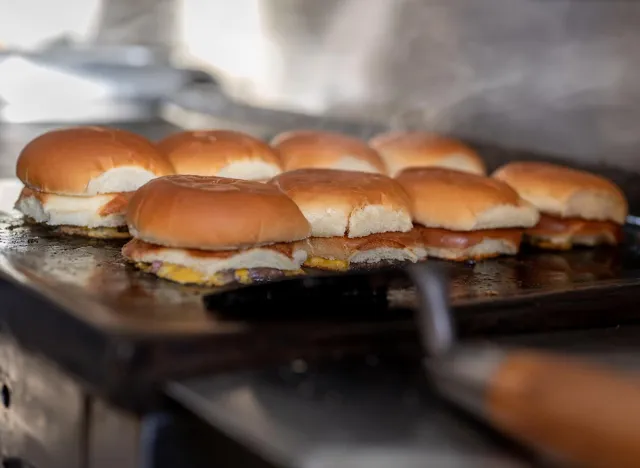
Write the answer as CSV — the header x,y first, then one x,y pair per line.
x,y
401,150
213,231
356,218
221,153
304,149
577,208
81,179
463,216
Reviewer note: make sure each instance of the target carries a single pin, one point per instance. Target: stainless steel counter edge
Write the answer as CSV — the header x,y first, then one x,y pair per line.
x,y
332,419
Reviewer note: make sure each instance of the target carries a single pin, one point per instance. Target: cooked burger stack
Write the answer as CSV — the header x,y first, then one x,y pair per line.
x,y
402,150
200,212
304,149
80,180
463,216
221,153
356,218
213,231
578,208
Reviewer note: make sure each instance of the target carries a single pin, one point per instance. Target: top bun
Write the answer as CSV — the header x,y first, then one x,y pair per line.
x,y
222,153
401,150
448,199
213,213
88,161
304,149
344,203
566,192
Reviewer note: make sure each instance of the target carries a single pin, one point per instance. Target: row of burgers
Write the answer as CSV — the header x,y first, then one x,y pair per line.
x,y
213,207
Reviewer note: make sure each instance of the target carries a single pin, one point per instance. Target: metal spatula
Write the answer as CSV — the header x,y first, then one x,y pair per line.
x,y
576,413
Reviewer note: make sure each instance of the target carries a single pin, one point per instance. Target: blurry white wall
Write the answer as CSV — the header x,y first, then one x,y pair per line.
x,y
241,41
29,24
228,39
556,77
26,24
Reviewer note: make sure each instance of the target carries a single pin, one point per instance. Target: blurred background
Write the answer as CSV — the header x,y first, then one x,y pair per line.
x,y
554,77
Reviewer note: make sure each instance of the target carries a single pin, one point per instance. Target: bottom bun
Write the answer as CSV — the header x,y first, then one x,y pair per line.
x,y
96,233
488,248
120,232
55,210
341,253
190,266
470,245
388,254
567,241
562,234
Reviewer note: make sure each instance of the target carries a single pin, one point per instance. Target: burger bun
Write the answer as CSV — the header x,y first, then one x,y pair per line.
x,y
303,149
213,213
221,153
344,203
402,150
565,192
458,201
89,161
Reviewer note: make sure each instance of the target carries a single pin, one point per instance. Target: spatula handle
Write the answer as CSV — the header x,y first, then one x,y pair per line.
x,y
583,414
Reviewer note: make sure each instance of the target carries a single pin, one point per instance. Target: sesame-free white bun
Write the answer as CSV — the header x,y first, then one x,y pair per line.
x,y
213,213
89,161
55,210
565,192
458,201
210,263
488,248
345,203
402,150
385,254
303,149
221,153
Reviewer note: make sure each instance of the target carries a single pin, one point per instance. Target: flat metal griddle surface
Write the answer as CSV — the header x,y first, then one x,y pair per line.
x,y
122,330
92,280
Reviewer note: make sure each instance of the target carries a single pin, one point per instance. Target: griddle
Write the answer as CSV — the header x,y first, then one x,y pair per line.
x,y
122,332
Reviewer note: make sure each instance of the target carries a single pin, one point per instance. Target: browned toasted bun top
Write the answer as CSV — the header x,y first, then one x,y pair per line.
x,y
565,192
329,188
213,213
449,199
548,176
401,150
206,152
303,149
65,161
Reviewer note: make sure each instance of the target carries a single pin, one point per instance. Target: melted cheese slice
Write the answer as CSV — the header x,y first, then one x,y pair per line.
x,y
327,264
185,275
242,276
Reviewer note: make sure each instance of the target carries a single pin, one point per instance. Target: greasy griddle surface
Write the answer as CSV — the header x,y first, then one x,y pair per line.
x,y
91,279
125,332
